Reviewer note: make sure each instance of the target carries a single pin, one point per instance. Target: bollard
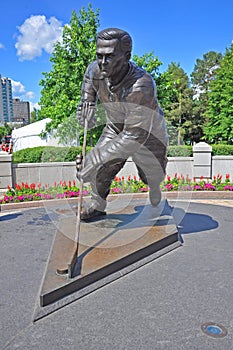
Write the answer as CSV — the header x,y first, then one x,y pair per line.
x,y
5,171
202,156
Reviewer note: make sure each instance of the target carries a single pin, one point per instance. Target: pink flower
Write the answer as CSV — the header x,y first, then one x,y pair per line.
x,y
59,195
47,196
228,188
169,187
85,193
209,187
116,190
187,188
144,189
198,188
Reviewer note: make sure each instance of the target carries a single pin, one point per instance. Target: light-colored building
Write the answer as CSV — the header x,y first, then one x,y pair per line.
x,y
6,106
21,111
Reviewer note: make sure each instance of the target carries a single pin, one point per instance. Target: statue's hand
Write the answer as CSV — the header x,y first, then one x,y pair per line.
x,y
87,171
86,110
79,160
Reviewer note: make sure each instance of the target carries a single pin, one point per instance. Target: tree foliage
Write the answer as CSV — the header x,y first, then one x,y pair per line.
x,y
34,117
204,72
5,130
176,100
68,131
220,102
61,87
149,62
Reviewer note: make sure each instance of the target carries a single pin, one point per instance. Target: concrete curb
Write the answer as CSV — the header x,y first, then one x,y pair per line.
x,y
166,195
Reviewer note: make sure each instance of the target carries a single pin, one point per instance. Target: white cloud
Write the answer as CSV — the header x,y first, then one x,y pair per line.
x,y
19,91
34,105
37,33
30,95
1,46
17,88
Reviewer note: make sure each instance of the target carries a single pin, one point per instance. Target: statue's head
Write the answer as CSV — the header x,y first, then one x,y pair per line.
x,y
113,51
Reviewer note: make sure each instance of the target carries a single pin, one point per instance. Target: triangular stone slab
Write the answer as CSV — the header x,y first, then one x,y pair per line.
x,y
108,248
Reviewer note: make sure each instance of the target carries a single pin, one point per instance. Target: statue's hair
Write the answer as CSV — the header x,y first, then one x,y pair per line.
x,y
115,33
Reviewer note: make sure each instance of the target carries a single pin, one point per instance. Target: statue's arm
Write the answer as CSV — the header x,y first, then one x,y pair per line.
x,y
88,92
87,107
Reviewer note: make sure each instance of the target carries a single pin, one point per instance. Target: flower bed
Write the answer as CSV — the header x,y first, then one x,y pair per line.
x,y
25,192
181,183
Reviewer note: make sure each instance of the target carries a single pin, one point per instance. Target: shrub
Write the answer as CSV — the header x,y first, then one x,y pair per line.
x,y
180,151
53,154
73,151
68,154
222,150
29,155
44,154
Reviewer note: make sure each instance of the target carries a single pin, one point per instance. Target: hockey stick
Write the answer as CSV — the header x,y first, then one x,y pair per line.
x,y
71,265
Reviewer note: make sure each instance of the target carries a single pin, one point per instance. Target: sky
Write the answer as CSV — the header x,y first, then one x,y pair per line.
x,y
175,30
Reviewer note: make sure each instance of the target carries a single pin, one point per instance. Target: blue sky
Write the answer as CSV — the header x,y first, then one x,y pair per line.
x,y
176,30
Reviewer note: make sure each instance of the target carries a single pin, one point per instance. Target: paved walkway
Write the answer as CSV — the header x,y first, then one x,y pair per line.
x,y
162,305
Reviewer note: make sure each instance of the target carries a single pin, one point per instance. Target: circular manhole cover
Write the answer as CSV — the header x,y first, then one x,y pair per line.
x,y
214,330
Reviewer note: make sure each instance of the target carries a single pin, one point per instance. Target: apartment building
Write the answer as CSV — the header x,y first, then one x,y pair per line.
x,y
6,104
21,111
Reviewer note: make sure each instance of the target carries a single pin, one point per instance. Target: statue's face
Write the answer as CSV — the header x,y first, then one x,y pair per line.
x,y
110,57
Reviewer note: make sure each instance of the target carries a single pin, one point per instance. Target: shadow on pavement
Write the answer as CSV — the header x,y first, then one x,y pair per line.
x,y
192,222
10,216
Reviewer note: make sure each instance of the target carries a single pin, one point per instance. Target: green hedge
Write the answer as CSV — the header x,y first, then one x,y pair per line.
x,y
47,154
180,151
186,151
68,154
222,150
28,155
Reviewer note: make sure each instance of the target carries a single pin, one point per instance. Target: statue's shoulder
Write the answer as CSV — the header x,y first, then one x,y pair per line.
x,y
143,80
93,71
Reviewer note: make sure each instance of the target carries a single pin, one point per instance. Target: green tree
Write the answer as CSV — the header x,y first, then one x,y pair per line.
x,y
2,133
204,72
61,87
176,100
220,102
5,130
149,62
68,131
34,115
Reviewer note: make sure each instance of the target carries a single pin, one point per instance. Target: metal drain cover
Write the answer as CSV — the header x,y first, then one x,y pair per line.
x,y
214,330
